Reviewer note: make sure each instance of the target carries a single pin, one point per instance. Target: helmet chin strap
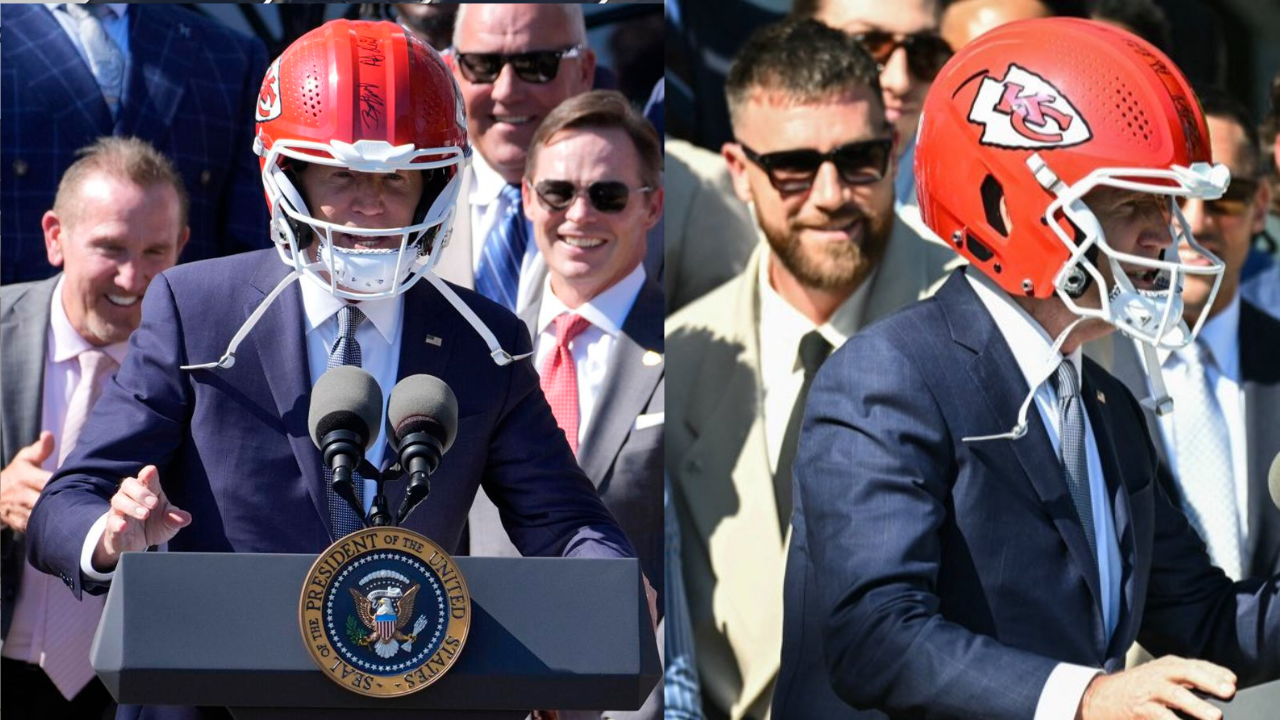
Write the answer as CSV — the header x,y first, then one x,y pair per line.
x,y
1160,403
1047,369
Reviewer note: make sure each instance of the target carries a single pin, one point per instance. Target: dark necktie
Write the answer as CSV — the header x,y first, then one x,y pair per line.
x,y
1074,461
345,351
498,274
814,349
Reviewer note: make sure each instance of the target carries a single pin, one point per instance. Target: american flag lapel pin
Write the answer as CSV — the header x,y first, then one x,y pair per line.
x,y
1102,397
433,340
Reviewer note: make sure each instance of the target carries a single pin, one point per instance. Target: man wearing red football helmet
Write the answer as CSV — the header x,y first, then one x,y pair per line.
x,y
948,569
362,138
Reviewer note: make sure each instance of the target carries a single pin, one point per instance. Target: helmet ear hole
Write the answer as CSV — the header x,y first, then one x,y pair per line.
x,y
287,180
992,194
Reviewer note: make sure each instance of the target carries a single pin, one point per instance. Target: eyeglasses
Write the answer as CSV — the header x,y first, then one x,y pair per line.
x,y
791,171
538,67
1235,202
926,52
607,196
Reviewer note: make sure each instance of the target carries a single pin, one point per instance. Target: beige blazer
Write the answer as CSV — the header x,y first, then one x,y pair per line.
x,y
733,554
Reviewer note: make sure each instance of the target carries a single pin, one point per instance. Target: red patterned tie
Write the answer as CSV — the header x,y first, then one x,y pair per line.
x,y
560,377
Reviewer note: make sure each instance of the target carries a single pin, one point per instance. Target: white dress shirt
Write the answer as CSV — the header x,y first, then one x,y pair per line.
x,y
1033,351
593,348
1221,334
63,346
488,206
781,329
379,338
115,24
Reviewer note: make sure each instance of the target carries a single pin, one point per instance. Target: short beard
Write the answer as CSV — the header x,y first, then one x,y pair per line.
x,y
103,332
835,266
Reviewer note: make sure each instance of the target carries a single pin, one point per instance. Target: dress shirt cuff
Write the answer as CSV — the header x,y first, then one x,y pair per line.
x,y
1063,691
86,553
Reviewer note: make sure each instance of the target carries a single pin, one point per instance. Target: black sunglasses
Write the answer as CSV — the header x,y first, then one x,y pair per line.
x,y
607,196
791,171
538,67
926,52
1235,201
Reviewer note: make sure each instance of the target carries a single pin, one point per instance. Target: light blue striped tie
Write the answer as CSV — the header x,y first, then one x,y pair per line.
x,y
498,276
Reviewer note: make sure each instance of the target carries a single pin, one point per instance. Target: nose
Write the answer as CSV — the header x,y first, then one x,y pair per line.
x,y
506,85
131,277
1197,218
828,189
895,77
580,209
367,199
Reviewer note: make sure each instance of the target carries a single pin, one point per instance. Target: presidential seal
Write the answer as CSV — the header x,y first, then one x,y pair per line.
x,y
384,612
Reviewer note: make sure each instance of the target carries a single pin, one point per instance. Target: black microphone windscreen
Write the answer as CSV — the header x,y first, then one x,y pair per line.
x,y
1273,481
423,403
345,398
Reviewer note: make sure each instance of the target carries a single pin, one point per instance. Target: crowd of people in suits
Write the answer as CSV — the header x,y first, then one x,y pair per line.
x,y
141,138
790,544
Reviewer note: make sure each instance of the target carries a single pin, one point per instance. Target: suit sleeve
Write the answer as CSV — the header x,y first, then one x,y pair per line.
x,y
547,504
873,478
140,420
244,211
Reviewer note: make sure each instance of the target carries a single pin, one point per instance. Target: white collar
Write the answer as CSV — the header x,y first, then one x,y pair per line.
x,y
608,310
69,343
1220,334
488,183
318,306
1027,338
842,325
118,8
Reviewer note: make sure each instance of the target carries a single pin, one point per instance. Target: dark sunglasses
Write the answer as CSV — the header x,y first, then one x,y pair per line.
x,y
607,196
791,171
538,67
1234,202
926,52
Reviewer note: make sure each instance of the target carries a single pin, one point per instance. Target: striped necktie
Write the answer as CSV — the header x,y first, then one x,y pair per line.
x,y
498,275
106,61
345,351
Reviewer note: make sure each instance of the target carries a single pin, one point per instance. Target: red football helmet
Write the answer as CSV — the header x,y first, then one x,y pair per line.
x,y
1040,112
369,97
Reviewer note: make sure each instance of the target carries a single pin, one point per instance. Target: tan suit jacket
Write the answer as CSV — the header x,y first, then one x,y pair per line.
x,y
733,554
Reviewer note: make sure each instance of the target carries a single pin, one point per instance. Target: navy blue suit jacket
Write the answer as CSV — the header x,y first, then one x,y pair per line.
x,y
933,578
232,446
191,91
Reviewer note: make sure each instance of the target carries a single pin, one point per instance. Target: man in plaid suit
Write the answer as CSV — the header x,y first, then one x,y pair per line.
x,y
189,88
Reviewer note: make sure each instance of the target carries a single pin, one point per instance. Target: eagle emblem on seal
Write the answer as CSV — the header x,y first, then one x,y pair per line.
x,y
385,612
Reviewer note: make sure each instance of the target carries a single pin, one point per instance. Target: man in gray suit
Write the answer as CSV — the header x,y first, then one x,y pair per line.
x,y
119,219
1225,427
814,155
592,190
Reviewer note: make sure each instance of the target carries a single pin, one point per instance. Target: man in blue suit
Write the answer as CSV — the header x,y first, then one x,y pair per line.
x,y
942,567
218,458
184,83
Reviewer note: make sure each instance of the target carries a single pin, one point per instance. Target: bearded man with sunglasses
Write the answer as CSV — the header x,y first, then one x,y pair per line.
x,y
814,158
592,191
1219,443
514,63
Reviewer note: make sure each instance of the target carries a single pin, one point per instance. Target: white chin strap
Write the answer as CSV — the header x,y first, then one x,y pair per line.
x,y
500,357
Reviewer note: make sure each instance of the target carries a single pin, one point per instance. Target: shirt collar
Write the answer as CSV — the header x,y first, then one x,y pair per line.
x,y
318,306
117,8
67,342
487,184
792,325
607,311
1220,334
1027,338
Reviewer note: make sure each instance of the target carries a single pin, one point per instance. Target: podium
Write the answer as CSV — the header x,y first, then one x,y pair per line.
x,y
1253,703
216,629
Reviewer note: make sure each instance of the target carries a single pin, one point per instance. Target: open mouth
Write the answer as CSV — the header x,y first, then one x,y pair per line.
x,y
583,243
123,300
513,119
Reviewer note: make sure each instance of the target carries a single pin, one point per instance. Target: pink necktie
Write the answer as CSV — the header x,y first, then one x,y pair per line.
x,y
560,377
69,625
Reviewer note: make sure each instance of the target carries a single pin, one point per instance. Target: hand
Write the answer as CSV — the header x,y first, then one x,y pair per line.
x,y
1156,689
22,481
140,516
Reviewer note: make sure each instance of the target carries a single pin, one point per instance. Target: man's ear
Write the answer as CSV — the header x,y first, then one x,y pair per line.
x,y
54,237
737,162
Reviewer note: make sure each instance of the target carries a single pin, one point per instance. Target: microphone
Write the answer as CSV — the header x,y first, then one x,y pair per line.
x,y
422,422
346,404
1273,481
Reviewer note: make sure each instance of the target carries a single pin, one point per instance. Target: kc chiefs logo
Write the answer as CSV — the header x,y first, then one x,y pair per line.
x,y
1024,111
269,96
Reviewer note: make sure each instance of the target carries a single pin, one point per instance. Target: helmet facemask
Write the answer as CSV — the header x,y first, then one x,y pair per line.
x,y
362,274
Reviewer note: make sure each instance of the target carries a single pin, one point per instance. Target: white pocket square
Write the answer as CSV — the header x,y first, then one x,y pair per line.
x,y
649,420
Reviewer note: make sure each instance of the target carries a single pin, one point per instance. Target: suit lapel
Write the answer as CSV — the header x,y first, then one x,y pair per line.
x,y
73,85
152,93
22,381
630,387
997,377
